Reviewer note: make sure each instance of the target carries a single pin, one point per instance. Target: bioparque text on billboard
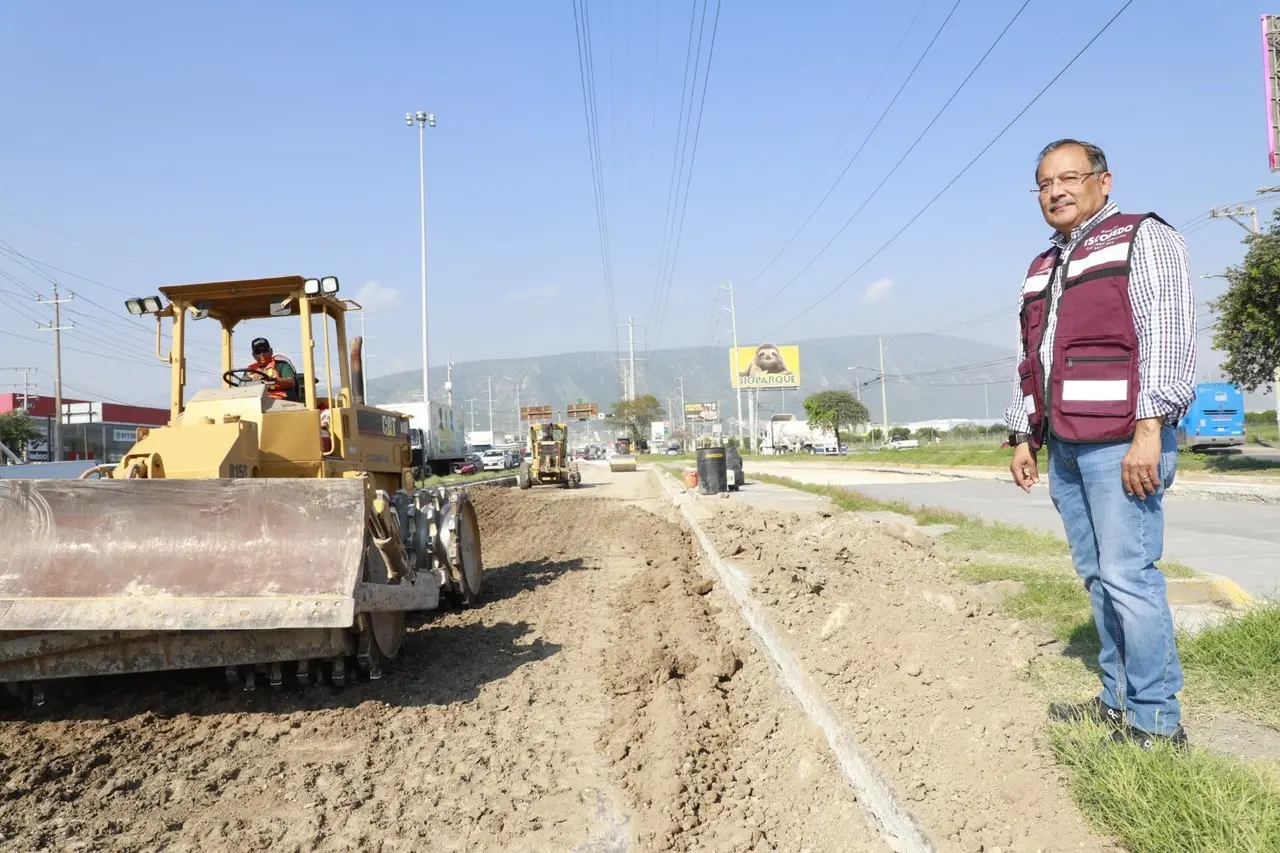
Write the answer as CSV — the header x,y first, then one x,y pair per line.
x,y
766,366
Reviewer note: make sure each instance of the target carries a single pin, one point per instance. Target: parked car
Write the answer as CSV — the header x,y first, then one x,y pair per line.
x,y
466,466
494,460
900,444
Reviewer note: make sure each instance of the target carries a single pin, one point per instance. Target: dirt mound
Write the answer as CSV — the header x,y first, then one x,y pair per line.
x,y
927,674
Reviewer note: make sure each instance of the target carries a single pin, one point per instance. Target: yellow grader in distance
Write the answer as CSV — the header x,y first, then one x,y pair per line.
x,y
549,446
279,539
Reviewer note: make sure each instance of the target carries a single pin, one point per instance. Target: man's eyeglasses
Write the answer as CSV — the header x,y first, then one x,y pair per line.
x,y
1069,181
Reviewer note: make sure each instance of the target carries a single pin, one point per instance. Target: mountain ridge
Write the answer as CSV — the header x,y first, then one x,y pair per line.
x,y
931,376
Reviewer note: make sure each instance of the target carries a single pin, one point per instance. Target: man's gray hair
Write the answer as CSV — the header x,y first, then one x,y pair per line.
x,y
1097,160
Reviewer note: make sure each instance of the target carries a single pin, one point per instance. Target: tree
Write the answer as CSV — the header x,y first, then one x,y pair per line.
x,y
834,410
899,433
928,433
875,435
1248,328
16,429
635,415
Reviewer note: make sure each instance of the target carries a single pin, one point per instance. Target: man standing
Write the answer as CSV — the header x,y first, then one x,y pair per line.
x,y
277,368
1106,367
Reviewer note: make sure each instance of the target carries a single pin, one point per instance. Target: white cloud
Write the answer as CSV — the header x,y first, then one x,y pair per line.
x,y
546,291
374,295
878,290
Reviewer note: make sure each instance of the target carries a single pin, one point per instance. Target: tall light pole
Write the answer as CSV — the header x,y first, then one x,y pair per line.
x,y
733,319
884,392
857,385
423,121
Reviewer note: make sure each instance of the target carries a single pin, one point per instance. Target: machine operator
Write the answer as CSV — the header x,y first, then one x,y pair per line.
x,y
283,384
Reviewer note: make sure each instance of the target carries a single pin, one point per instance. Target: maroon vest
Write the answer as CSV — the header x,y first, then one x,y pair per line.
x,y
1092,390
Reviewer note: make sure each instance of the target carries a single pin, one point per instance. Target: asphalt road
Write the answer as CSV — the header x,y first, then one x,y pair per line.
x,y
1238,540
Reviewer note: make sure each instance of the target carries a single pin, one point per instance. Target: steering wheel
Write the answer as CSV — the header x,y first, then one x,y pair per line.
x,y
245,376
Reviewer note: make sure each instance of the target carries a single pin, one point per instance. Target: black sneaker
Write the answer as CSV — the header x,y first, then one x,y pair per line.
x,y
1148,741
1094,711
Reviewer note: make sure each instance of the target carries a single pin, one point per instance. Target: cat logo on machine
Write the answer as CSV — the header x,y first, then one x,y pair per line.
x,y
389,425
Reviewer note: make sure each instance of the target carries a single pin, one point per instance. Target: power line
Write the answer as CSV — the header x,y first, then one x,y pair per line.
x,y
875,84
937,115
587,83
857,153
684,112
11,251
697,133
962,172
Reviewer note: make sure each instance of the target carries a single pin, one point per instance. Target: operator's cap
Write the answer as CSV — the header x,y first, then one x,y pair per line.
x,y
261,345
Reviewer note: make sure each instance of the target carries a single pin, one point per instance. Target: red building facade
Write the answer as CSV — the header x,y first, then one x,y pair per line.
x,y
110,432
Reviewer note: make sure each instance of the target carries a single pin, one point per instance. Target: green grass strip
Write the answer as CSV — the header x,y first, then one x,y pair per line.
x,y
1165,802
1237,662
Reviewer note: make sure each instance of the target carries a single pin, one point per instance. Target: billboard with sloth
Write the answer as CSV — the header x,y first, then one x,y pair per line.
x,y
765,366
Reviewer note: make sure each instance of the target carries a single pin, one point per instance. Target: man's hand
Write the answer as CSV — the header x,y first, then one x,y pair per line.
x,y
1140,470
1023,467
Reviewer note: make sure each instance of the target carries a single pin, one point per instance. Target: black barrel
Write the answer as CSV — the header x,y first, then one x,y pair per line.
x,y
713,477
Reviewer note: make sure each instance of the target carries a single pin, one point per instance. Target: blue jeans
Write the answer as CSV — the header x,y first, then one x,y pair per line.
x,y
1115,539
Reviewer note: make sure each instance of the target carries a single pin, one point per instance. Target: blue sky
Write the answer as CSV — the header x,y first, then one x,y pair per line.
x,y
150,143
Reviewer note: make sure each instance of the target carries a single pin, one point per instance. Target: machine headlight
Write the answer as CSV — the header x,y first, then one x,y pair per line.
x,y
329,284
144,305
311,286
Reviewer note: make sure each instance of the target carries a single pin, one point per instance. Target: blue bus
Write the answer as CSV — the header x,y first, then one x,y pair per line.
x,y
1215,419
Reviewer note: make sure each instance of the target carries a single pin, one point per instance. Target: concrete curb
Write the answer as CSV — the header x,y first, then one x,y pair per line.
x,y
1221,491
888,816
1209,589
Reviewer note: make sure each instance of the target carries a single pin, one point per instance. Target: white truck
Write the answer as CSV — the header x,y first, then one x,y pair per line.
x,y
437,440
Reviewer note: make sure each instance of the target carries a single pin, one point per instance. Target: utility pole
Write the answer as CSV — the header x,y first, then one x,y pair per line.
x,y
631,358
55,446
489,379
423,121
684,422
733,319
884,391
472,401
1234,211
448,382
26,384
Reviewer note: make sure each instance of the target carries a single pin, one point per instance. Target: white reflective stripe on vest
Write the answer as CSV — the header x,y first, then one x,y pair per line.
x,y
1036,283
1095,390
1116,254
1029,403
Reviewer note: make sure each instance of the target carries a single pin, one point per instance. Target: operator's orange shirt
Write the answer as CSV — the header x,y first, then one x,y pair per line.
x,y
272,370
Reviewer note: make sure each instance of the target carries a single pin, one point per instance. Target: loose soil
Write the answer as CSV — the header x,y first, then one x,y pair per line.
x,y
929,677
602,698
